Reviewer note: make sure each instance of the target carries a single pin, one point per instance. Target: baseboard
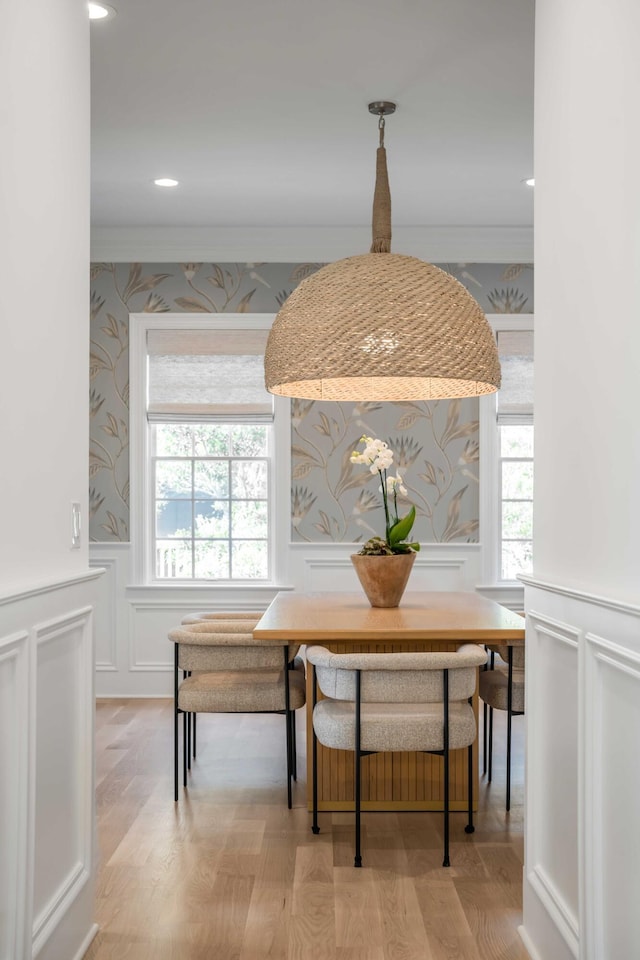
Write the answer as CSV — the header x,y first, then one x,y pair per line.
x,y
529,947
86,943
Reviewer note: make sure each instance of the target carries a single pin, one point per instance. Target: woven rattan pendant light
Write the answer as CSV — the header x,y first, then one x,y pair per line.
x,y
381,326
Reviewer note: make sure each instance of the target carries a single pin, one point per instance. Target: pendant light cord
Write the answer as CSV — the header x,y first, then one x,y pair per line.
x,y
381,226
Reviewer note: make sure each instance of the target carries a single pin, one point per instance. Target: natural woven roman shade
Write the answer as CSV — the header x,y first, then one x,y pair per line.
x,y
207,374
381,326
515,398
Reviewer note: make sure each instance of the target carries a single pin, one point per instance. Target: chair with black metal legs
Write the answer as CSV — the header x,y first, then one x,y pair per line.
x,y
249,620
226,671
502,687
383,702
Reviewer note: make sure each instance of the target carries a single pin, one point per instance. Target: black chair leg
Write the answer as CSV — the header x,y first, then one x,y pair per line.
x,y
287,707
189,716
314,761
509,717
294,747
357,862
184,748
194,735
175,725
445,680
491,666
490,744
470,827
484,738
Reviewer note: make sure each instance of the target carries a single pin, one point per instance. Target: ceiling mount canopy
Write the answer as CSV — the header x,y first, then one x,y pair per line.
x,y
381,326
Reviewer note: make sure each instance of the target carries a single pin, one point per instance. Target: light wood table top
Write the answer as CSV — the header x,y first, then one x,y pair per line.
x,y
307,617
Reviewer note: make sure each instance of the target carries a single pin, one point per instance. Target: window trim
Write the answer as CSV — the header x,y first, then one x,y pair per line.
x,y
489,471
140,455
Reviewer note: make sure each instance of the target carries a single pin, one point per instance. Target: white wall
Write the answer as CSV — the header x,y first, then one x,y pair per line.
x,y
582,884
587,290
46,588
44,219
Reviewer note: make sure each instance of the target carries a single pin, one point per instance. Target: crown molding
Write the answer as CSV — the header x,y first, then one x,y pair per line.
x,y
305,244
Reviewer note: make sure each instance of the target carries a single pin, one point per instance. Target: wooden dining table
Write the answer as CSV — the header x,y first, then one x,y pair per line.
x,y
345,622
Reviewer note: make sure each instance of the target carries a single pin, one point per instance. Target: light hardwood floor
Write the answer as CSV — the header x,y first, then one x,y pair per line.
x,y
228,873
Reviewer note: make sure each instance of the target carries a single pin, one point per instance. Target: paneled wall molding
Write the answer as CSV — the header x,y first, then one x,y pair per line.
x,y
106,651
16,798
134,656
298,546
611,676
72,633
302,244
438,566
47,786
565,920
583,714
316,570
585,596
554,629
111,545
510,595
15,595
239,597
544,635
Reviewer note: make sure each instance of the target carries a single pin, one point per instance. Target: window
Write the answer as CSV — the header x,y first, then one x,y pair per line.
x,y
506,456
516,499
515,446
205,501
211,500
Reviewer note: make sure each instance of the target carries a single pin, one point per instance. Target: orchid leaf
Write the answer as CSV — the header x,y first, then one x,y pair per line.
x,y
401,530
406,548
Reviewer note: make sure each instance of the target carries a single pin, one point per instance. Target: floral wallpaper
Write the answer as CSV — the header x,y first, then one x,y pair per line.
x,y
435,448
436,444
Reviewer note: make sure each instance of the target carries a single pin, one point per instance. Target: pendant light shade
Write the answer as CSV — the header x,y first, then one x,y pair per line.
x,y
381,326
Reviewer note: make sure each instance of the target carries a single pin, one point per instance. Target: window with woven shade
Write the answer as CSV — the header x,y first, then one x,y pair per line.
x,y
515,437
207,451
506,457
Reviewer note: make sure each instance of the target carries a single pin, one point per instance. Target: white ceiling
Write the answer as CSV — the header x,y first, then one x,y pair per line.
x,y
259,108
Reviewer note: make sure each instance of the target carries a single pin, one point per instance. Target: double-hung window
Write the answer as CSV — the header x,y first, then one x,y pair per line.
x,y
206,488
506,456
515,457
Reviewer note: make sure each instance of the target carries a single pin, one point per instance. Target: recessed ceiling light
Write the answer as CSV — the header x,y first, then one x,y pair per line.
x,y
165,182
100,11
531,182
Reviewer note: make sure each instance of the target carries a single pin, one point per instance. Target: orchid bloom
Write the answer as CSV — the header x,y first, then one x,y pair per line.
x,y
378,457
395,485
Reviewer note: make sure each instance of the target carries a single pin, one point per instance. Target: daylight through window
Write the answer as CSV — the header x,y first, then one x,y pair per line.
x,y
211,500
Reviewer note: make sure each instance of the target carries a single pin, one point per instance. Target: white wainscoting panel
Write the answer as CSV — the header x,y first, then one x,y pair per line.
x,y
551,708
15,801
134,656
64,767
150,650
612,789
106,625
582,850
438,566
46,769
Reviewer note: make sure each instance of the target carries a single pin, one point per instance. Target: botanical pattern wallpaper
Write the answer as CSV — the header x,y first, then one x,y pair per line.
x,y
435,448
436,444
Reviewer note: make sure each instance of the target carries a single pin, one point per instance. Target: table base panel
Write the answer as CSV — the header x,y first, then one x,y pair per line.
x,y
389,781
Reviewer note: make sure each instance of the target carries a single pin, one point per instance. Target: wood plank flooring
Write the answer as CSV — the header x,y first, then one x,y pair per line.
x,y
228,873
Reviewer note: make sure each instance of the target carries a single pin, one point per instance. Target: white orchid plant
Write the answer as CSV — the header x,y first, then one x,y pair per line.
x,y
378,456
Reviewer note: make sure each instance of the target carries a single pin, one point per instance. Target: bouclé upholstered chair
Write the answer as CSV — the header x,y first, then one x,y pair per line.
x,y
226,671
379,702
502,688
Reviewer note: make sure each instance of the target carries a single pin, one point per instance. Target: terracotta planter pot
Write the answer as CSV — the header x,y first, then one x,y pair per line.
x,y
383,579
